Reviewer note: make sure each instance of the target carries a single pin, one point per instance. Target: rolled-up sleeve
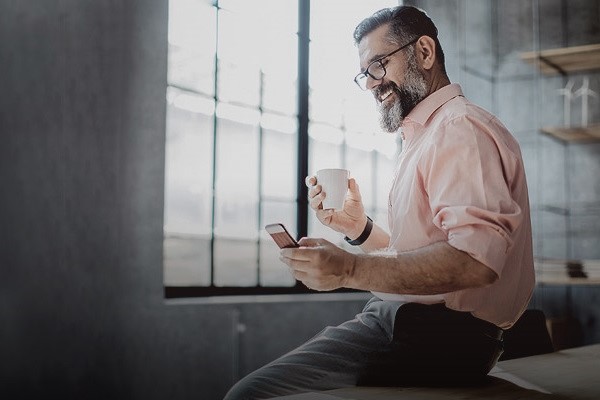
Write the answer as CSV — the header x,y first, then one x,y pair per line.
x,y
468,177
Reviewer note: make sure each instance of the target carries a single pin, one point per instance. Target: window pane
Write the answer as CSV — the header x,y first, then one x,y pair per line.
x,y
188,188
192,39
188,176
272,271
325,144
186,260
239,67
265,61
237,173
279,212
281,15
360,112
325,103
238,83
235,262
236,211
280,86
279,157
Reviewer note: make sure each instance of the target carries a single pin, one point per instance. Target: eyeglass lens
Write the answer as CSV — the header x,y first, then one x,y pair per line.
x,y
375,70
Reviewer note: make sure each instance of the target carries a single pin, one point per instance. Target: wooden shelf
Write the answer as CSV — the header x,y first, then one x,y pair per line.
x,y
566,59
556,272
581,134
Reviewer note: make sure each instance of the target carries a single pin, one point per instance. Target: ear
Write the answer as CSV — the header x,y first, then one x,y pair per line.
x,y
425,52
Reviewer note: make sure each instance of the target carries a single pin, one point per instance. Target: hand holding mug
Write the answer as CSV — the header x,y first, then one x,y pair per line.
x,y
350,219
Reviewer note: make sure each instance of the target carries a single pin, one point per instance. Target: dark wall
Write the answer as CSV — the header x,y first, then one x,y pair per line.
x,y
81,212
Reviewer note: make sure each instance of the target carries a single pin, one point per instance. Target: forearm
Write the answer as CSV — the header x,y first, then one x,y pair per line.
x,y
377,240
434,269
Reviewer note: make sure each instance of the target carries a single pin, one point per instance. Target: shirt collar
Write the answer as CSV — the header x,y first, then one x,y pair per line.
x,y
422,111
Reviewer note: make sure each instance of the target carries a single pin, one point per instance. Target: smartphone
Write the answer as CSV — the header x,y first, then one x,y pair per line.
x,y
281,236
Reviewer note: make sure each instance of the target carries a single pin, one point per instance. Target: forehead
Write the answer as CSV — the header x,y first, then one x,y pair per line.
x,y
374,45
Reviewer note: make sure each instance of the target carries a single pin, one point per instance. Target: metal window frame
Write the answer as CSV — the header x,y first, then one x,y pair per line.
x,y
171,292
302,212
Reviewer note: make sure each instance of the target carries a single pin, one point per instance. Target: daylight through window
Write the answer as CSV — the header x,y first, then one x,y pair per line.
x,y
232,136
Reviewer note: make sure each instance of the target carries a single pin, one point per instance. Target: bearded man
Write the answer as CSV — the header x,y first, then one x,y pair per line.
x,y
455,269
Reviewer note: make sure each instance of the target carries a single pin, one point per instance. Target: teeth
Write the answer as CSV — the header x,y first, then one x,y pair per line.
x,y
385,95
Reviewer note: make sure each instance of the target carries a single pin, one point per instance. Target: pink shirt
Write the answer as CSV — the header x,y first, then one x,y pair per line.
x,y
460,178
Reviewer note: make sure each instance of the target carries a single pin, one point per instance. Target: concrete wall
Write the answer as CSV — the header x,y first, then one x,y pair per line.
x,y
81,171
482,41
81,212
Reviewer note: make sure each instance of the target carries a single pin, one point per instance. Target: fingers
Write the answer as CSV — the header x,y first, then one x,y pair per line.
x,y
316,201
314,190
316,197
318,264
296,265
311,242
305,253
310,181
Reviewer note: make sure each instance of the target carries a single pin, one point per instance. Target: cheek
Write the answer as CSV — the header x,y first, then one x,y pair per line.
x,y
395,75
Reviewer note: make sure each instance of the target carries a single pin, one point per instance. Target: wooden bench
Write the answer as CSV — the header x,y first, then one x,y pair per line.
x,y
567,374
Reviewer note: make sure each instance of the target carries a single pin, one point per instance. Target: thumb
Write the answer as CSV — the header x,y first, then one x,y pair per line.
x,y
353,189
311,242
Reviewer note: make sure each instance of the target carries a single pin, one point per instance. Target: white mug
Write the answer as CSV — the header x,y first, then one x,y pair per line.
x,y
334,182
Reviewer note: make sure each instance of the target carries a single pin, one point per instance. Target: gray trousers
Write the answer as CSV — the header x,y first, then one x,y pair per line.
x,y
387,344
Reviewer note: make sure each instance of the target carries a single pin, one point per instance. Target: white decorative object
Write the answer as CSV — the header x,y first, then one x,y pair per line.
x,y
585,93
567,91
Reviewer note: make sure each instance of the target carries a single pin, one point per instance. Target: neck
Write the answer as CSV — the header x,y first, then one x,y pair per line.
x,y
437,80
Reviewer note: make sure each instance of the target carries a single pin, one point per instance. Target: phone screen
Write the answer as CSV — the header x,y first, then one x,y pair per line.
x,y
281,236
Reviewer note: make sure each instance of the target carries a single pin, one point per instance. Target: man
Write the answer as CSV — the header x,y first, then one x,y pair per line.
x,y
456,268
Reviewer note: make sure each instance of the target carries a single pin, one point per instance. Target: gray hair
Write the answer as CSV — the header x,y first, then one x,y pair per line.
x,y
405,24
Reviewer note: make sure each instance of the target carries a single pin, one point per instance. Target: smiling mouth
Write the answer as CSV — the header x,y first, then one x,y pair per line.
x,y
383,96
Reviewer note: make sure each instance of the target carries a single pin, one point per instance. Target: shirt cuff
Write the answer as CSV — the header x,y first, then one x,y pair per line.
x,y
486,244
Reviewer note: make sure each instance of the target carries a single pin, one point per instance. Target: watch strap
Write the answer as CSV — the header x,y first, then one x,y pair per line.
x,y
363,236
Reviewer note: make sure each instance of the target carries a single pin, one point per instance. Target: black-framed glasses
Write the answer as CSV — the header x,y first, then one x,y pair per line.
x,y
376,69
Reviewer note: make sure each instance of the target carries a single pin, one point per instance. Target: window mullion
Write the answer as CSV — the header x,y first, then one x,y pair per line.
x,y
214,154
303,92
260,175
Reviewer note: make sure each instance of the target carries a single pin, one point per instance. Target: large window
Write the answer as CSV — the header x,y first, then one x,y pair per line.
x,y
234,135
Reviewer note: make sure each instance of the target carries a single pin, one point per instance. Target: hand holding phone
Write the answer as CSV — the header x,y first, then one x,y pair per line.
x,y
281,236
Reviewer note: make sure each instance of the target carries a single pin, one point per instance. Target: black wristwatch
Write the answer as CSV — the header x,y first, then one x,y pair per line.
x,y
363,236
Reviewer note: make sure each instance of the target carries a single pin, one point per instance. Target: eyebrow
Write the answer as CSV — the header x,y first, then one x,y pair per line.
x,y
374,58
377,57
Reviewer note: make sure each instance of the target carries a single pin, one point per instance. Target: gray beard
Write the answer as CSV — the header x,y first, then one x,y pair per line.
x,y
391,118
412,92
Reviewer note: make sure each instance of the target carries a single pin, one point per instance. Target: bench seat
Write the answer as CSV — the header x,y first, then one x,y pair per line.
x,y
567,374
